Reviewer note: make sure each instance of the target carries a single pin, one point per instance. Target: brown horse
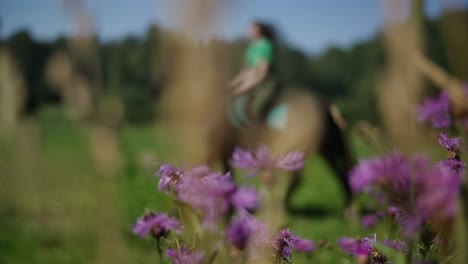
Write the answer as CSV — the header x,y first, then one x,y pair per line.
x,y
298,120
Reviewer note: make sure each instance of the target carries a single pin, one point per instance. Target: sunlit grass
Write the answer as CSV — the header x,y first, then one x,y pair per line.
x,y
49,217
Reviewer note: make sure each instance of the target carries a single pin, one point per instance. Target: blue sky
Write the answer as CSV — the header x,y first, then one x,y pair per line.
x,y
311,25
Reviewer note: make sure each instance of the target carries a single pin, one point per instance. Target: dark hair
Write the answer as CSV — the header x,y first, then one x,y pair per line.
x,y
267,31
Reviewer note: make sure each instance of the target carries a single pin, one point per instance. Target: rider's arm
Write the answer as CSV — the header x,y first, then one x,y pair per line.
x,y
239,78
257,76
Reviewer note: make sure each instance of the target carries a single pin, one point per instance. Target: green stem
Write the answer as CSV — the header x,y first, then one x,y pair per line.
x,y
159,249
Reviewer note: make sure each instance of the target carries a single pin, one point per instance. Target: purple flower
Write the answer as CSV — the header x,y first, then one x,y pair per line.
x,y
291,161
438,200
169,177
156,223
450,144
396,244
355,247
385,178
245,198
240,231
369,221
393,211
436,111
210,194
456,165
453,161
185,256
284,243
304,245
415,189
247,232
262,159
364,246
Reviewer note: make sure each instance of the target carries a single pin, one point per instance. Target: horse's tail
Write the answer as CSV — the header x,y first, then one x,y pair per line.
x,y
335,147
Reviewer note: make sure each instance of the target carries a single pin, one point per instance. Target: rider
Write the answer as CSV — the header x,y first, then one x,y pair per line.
x,y
256,87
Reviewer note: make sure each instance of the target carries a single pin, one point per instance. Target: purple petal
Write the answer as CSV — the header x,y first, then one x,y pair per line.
x,y
243,159
449,143
369,221
292,161
436,111
157,223
304,245
245,198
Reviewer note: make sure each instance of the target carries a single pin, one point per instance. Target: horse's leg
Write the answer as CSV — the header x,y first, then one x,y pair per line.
x,y
293,184
225,161
335,150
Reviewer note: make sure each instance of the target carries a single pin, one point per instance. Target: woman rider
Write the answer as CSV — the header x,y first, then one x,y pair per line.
x,y
256,87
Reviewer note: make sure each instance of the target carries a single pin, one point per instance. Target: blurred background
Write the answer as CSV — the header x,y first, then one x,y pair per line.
x,y
94,94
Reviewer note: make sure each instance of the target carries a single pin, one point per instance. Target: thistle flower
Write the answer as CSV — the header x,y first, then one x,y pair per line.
x,y
436,111
262,159
364,248
213,194
453,161
284,243
355,247
450,144
185,256
416,189
156,223
245,198
386,178
245,232
437,202
240,231
456,165
169,177
210,194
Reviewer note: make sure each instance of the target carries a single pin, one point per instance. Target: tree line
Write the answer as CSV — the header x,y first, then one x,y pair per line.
x,y
133,68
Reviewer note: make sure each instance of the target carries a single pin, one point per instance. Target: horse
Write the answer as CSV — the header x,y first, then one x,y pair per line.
x,y
298,120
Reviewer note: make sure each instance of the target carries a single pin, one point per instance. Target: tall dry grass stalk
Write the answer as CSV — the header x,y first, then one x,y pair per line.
x,y
74,89
12,92
196,90
455,35
77,73
440,78
401,85
78,77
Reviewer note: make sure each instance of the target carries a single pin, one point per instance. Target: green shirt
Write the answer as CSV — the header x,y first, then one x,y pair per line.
x,y
258,50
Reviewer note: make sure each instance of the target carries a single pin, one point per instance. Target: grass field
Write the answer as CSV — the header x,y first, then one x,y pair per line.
x,y
55,208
